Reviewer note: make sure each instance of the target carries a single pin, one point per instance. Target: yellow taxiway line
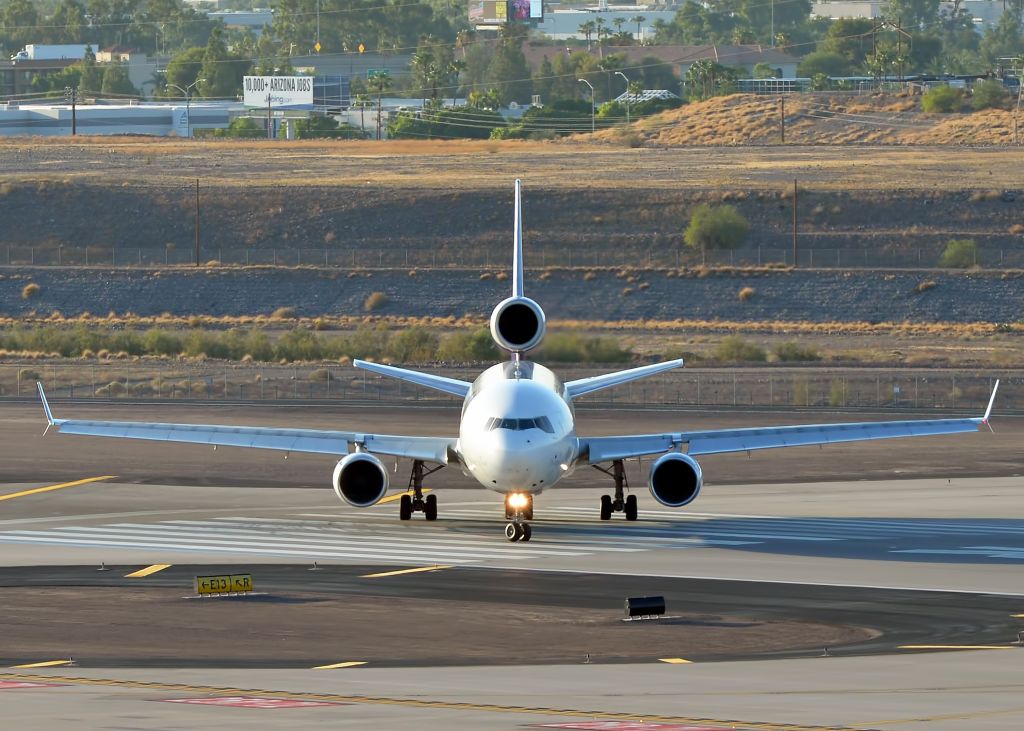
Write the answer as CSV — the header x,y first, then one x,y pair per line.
x,y
37,490
418,570
398,496
338,665
147,571
675,661
44,664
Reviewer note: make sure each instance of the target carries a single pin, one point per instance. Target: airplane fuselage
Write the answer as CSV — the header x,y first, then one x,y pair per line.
x,y
518,429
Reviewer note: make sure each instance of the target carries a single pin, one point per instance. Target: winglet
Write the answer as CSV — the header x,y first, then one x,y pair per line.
x,y
517,265
46,405
992,400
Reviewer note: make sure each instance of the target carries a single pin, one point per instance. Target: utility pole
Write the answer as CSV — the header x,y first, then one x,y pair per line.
x,y
782,118
71,94
197,221
270,121
796,193
626,78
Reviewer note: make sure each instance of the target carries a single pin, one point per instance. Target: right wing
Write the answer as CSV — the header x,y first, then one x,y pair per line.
x,y
720,441
596,383
314,441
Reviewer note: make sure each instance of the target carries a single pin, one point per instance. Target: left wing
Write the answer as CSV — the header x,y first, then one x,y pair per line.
x,y
719,441
314,441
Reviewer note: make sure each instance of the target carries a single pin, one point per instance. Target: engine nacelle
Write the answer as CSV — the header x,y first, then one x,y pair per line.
x,y
675,479
360,479
517,324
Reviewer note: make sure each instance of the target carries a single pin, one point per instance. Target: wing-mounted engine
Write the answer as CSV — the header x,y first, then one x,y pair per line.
x,y
360,479
675,479
517,324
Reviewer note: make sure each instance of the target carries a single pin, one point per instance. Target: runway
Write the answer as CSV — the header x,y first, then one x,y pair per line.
x,y
874,569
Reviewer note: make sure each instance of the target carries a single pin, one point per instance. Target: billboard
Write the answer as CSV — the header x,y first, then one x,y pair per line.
x,y
499,12
488,12
278,92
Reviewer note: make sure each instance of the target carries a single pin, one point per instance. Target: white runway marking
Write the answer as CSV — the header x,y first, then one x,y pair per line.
x,y
468,534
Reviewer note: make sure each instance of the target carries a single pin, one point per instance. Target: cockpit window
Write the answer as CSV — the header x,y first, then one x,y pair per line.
x,y
540,422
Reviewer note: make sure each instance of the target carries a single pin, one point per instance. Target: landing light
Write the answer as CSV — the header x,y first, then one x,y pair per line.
x,y
518,500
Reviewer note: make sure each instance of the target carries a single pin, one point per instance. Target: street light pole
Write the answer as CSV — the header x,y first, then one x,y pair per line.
x,y
188,104
626,79
593,110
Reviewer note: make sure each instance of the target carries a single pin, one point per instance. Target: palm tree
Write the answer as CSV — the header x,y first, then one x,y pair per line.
x,y
638,19
600,23
587,29
464,38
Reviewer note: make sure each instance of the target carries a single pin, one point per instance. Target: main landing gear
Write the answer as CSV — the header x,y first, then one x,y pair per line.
x,y
415,502
617,504
518,510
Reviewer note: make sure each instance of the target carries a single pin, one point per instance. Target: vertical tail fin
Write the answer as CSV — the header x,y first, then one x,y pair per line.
x,y
517,264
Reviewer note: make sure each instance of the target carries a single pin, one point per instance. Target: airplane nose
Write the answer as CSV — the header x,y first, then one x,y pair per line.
x,y
518,461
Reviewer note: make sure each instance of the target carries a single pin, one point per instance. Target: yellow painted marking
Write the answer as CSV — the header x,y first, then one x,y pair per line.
x,y
337,665
418,570
675,661
957,647
398,496
45,664
593,714
147,571
61,486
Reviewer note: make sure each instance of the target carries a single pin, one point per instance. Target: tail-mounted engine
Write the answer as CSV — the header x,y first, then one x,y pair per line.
x,y
517,324
675,479
360,479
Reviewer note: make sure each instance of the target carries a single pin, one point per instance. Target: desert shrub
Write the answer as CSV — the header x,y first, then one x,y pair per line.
x,y
989,94
715,228
468,346
375,301
320,375
30,290
959,254
746,294
942,99
413,345
575,348
283,313
792,352
924,286
735,349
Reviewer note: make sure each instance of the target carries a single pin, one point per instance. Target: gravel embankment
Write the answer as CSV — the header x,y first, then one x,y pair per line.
x,y
817,296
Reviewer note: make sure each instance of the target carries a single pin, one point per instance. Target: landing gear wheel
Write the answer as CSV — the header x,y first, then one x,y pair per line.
x,y
405,507
430,507
631,507
606,507
512,532
526,531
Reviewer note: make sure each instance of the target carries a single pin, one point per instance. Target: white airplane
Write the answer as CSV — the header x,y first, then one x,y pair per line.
x,y
517,435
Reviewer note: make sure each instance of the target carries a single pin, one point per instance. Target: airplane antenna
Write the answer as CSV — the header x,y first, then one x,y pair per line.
x,y
517,266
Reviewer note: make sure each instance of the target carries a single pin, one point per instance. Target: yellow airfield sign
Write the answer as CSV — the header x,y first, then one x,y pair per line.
x,y
226,584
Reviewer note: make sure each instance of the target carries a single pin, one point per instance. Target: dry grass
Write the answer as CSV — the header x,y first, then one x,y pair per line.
x,y
30,290
375,301
746,294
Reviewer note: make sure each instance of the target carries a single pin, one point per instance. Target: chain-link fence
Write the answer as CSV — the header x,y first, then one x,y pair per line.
x,y
822,388
810,253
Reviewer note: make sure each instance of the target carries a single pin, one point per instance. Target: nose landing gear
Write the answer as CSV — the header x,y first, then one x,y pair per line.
x,y
415,502
618,504
518,510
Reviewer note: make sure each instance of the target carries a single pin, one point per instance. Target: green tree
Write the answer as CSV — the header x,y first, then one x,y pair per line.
x,y
221,72
19,18
116,82
914,14
508,71
715,228
69,17
92,75
851,38
829,63
942,99
989,94
184,68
